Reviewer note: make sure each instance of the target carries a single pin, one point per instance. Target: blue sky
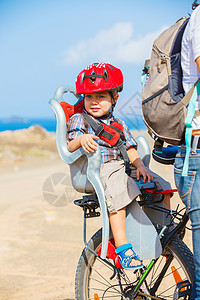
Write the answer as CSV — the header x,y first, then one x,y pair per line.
x,y
45,44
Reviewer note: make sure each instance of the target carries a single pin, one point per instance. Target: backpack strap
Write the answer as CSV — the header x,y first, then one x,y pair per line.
x,y
186,99
191,99
112,135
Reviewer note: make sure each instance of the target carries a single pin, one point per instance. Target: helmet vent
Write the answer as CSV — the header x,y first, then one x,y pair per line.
x,y
82,77
92,79
105,74
111,67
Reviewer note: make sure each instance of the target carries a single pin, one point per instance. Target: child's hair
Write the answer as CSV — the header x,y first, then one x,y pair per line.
x,y
114,92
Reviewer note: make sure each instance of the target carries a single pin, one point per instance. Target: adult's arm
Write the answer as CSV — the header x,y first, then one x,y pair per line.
x,y
195,37
197,60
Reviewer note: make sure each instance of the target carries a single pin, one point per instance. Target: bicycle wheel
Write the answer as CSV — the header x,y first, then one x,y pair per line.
x,y
94,277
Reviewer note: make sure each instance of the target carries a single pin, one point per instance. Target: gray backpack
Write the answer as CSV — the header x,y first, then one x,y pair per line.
x,y
164,104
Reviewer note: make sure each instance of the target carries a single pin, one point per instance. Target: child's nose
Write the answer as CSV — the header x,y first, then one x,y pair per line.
x,y
94,100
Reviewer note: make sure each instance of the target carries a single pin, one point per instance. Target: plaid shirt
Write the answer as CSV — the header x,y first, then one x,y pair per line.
x,y
78,125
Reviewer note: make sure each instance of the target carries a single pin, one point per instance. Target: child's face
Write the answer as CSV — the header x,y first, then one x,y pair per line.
x,y
98,104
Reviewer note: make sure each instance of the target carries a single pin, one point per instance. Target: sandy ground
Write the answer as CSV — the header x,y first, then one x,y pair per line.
x,y
40,244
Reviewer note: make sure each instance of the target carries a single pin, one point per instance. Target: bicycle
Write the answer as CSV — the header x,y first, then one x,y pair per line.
x,y
167,277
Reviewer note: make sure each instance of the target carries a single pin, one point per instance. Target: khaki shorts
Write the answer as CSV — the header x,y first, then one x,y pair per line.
x,y
120,189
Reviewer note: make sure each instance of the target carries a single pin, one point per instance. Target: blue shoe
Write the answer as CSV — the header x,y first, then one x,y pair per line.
x,y
124,259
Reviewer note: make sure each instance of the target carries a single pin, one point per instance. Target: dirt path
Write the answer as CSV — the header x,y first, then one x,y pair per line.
x,y
40,244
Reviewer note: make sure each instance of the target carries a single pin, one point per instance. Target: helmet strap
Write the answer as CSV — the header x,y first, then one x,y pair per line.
x,y
112,100
109,114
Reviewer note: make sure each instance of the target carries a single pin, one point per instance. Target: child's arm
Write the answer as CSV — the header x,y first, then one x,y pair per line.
x,y
138,164
86,141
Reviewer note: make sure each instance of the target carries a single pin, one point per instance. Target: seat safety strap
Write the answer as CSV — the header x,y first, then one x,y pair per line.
x,y
111,135
188,123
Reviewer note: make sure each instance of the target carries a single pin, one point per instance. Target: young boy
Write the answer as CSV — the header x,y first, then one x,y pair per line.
x,y
100,84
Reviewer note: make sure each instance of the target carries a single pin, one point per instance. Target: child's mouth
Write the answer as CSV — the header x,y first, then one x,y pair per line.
x,y
95,109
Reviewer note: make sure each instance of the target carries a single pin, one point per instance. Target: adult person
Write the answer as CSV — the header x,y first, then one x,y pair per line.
x,y
189,186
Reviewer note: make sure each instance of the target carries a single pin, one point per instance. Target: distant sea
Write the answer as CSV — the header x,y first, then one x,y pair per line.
x,y
15,123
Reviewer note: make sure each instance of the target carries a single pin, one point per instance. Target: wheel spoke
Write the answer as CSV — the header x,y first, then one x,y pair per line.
x,y
170,273
105,297
97,280
109,284
93,279
104,263
155,269
108,291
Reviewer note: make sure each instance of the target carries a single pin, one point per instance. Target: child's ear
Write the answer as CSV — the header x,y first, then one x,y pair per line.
x,y
116,97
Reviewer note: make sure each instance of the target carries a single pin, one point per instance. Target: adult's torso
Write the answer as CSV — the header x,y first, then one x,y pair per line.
x,y
189,52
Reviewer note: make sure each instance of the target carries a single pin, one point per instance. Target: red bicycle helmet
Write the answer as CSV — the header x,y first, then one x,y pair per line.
x,y
99,77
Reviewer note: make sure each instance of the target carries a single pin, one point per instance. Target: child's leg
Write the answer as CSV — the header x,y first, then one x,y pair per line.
x,y
118,226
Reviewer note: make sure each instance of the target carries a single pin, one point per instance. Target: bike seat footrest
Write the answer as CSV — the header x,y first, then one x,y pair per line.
x,y
145,185
89,204
151,198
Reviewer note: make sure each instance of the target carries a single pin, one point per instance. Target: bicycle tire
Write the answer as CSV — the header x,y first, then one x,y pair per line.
x,y
181,254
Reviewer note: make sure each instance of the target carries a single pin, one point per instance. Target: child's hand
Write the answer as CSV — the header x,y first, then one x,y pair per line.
x,y
87,142
142,171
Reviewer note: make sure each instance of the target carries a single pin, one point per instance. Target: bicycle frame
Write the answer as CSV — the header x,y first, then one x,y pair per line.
x,y
165,236
89,181
165,241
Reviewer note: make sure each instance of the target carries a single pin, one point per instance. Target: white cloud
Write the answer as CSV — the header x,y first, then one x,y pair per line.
x,y
116,45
